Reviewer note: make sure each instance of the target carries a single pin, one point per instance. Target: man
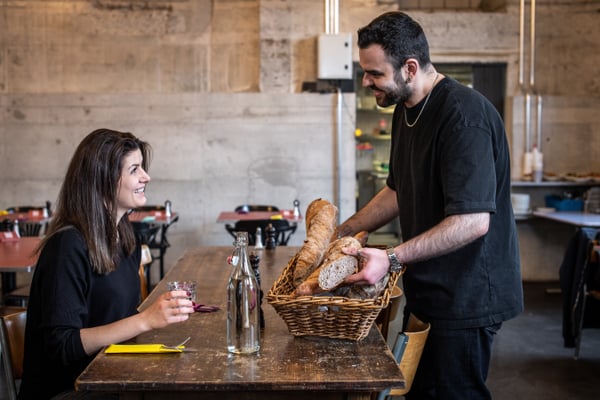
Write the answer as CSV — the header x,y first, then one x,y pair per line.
x,y
449,183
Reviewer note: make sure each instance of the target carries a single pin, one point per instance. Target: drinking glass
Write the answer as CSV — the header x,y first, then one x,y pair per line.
x,y
188,286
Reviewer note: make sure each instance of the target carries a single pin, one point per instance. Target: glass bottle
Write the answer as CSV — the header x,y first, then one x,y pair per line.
x,y
255,263
243,307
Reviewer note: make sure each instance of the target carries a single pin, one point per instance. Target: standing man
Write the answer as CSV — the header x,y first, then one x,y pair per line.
x,y
449,183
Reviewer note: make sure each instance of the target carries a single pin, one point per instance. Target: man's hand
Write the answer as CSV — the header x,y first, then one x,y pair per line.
x,y
374,265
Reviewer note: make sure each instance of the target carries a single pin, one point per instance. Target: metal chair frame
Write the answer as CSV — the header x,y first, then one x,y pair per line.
x,y
159,245
283,229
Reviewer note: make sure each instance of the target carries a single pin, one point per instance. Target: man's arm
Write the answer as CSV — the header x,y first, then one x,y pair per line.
x,y
452,233
380,210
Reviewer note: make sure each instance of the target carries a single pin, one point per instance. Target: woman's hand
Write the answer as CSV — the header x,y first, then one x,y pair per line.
x,y
170,307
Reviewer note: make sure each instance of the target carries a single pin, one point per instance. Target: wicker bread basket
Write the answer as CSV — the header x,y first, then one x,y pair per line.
x,y
326,316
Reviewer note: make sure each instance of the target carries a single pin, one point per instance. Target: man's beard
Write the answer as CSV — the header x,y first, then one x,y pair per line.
x,y
400,94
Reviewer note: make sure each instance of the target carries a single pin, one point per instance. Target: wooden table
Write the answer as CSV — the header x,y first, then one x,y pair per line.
x,y
286,367
17,256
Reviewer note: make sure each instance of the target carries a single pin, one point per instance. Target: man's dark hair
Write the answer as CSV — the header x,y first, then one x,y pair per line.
x,y
399,35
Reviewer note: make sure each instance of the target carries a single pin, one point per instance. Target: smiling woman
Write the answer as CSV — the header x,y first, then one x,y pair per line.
x,y
86,289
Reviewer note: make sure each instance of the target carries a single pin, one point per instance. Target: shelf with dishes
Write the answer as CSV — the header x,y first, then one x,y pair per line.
x,y
570,199
563,179
556,183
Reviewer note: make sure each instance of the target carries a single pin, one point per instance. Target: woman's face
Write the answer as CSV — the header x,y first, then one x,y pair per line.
x,y
132,185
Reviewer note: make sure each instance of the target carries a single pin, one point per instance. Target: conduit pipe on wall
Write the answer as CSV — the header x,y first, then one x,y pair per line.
x,y
332,27
332,20
529,91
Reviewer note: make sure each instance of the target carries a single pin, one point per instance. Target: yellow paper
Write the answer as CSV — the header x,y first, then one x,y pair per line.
x,y
141,348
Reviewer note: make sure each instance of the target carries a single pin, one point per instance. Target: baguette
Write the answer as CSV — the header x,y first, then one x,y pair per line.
x,y
362,237
335,267
321,217
313,209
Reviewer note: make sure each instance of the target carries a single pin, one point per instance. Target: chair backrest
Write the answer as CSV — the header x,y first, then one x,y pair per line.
x,y
6,225
145,231
407,351
389,313
30,228
283,229
12,340
157,207
255,207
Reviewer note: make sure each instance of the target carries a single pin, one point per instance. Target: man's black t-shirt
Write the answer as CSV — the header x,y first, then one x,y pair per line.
x,y
455,160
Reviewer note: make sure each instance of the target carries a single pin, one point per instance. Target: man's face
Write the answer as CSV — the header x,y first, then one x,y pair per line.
x,y
388,85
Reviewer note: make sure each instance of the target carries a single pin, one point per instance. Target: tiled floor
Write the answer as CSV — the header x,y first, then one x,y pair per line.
x,y
529,360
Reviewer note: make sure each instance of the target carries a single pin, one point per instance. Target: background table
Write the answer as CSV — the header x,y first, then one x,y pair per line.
x,y
232,216
286,367
576,218
157,217
17,256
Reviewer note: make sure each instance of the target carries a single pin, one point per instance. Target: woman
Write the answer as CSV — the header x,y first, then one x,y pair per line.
x,y
85,289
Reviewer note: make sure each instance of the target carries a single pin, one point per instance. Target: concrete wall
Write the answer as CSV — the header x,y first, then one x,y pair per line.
x,y
215,87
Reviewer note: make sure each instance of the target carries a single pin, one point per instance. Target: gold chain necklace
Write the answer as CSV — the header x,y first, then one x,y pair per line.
x,y
424,104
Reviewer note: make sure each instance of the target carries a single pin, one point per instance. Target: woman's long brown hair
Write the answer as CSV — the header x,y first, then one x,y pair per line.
x,y
88,196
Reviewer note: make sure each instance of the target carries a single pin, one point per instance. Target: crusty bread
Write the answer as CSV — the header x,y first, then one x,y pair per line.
x,y
362,237
308,287
337,265
332,275
321,218
332,271
364,292
313,209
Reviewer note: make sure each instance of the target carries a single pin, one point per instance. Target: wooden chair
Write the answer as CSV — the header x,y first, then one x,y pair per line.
x,y
407,351
12,342
389,313
144,272
30,228
146,233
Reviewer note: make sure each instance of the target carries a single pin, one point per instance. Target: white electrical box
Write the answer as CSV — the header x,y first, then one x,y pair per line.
x,y
335,56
